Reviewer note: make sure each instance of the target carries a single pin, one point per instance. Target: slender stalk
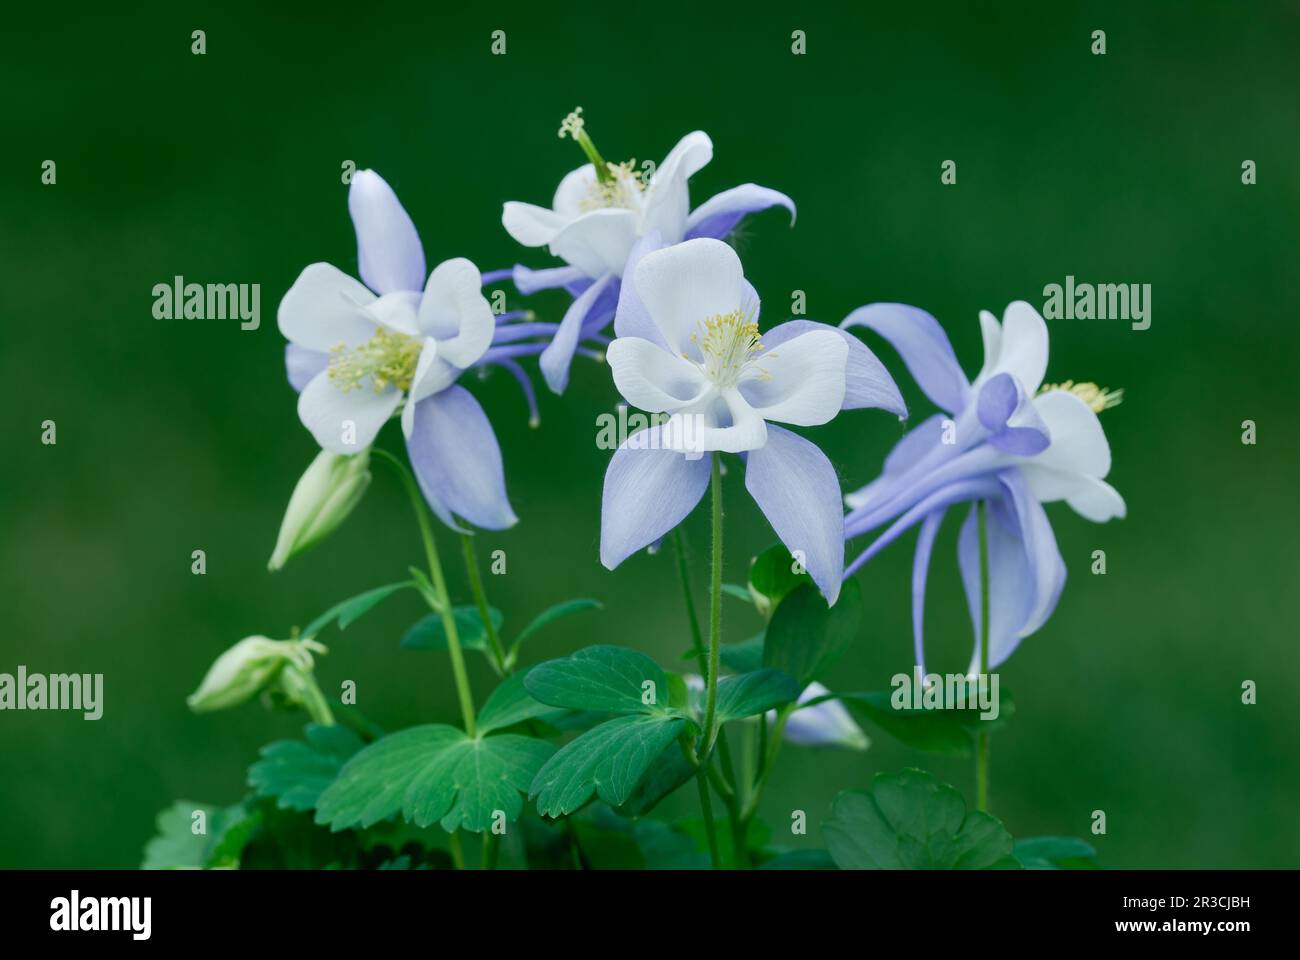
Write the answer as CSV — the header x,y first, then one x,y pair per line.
x,y
491,850
715,612
443,608
315,704
982,741
457,855
767,759
480,599
697,639
706,805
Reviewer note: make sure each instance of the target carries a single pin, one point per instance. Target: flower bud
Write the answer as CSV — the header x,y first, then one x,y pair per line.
x,y
322,500
247,668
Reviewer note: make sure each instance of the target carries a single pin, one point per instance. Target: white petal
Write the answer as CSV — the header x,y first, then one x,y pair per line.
x,y
1091,498
683,285
667,200
1023,352
1078,442
991,331
325,307
344,422
389,254
397,311
597,242
652,379
455,312
722,421
529,224
574,193
804,382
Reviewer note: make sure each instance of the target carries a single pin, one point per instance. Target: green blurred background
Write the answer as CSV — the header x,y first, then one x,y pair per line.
x,y
180,435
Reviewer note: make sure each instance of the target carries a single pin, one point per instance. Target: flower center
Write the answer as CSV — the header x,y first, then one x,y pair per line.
x,y
730,344
1098,398
387,358
618,185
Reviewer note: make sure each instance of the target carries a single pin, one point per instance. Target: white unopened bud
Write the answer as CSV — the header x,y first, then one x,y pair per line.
x,y
249,667
322,500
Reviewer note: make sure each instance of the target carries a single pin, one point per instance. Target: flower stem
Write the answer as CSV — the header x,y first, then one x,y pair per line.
x,y
443,608
715,612
315,704
706,806
982,740
457,855
480,598
732,801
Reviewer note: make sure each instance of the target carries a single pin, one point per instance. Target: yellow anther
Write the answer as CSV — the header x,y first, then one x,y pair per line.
x,y
1097,398
387,359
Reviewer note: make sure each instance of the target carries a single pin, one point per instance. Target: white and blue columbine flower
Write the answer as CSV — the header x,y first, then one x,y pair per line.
x,y
599,212
689,348
361,353
1002,441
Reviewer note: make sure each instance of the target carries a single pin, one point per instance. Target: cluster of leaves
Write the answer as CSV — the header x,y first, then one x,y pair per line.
x,y
630,736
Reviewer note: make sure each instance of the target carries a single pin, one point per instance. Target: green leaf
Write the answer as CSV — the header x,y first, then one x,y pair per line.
x,y
806,637
604,678
294,772
608,760
428,634
911,821
949,732
739,592
549,616
800,860
751,694
667,773
352,609
434,773
743,657
226,830
1055,853
772,577
510,704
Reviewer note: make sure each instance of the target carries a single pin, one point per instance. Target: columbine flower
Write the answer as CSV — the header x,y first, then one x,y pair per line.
x,y
689,346
1006,443
360,353
599,212
825,724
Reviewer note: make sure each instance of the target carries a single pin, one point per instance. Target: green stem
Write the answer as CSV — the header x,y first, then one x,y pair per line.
x,y
683,571
982,741
715,612
315,704
480,599
706,805
767,759
457,855
443,608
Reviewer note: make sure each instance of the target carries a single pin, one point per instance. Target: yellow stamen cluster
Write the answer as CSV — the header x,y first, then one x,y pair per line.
x,y
387,358
729,344
619,190
1098,398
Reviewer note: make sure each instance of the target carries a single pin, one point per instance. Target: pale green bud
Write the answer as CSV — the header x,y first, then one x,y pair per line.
x,y
322,500
249,667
